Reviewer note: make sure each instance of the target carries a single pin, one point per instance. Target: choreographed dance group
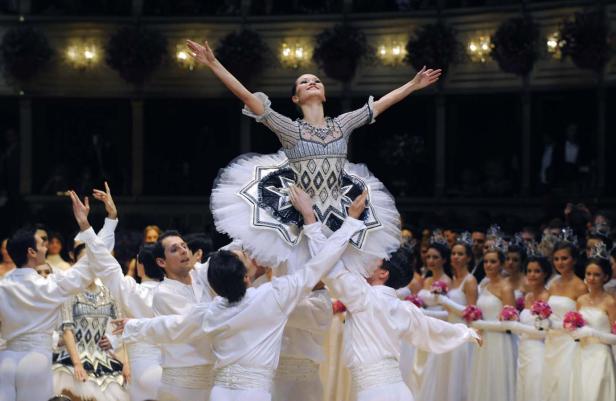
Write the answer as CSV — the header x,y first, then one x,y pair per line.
x,y
325,228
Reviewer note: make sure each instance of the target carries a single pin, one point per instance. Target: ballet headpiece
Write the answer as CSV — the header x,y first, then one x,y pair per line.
x,y
438,238
494,231
518,241
599,251
532,249
465,239
567,235
602,229
497,245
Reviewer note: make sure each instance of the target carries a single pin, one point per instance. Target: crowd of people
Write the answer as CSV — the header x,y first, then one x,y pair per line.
x,y
319,284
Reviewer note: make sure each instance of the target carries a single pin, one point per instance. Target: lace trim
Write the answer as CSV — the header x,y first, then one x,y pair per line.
x,y
386,371
236,377
297,370
311,133
193,377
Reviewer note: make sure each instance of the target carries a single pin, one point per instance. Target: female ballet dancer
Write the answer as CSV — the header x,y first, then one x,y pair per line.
x,y
250,200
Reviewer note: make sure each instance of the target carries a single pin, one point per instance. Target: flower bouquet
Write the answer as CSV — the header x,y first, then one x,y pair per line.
x,y
338,307
542,311
509,314
573,320
439,287
472,313
415,300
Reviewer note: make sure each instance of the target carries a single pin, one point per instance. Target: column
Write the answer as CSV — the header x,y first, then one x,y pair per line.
x,y
137,147
25,146
526,137
440,145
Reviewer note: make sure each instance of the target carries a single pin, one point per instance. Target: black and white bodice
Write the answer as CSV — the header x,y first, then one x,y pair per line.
x,y
315,160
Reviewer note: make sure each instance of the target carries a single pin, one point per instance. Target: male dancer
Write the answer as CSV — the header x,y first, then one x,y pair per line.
x,y
245,325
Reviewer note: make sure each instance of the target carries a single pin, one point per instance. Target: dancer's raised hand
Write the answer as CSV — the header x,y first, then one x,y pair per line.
x,y
425,77
107,199
358,205
201,52
80,210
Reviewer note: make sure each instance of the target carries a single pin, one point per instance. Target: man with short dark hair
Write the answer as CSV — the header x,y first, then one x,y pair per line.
x,y
245,325
31,313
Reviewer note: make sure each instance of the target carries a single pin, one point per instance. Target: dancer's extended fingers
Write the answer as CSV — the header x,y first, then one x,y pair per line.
x,y
107,188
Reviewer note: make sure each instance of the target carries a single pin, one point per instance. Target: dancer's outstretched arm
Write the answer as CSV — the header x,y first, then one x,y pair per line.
x,y
422,79
204,55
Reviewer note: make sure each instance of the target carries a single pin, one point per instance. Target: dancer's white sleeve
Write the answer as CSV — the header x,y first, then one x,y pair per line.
x,y
521,328
107,233
289,289
603,337
403,292
134,299
437,314
313,313
433,335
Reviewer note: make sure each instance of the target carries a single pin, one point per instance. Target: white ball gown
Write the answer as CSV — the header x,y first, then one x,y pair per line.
x,y
453,368
493,366
559,353
593,370
250,200
529,381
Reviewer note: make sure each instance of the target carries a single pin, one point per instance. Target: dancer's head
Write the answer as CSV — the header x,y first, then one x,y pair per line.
x,y
44,270
397,271
514,259
200,245
461,256
538,271
307,88
227,273
151,234
151,269
493,261
593,240
437,257
27,248
173,255
564,256
56,243
597,272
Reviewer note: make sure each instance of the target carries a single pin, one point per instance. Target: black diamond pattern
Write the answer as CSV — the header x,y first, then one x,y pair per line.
x,y
318,180
305,180
325,166
323,195
312,166
88,336
331,181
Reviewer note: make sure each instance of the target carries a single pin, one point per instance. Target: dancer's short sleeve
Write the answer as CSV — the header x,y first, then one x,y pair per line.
x,y
66,316
356,118
285,129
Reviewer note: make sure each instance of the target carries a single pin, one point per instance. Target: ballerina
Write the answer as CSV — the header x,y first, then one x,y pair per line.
x,y
250,200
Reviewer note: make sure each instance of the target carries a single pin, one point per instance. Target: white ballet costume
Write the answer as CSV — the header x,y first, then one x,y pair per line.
x,y
559,353
593,377
493,365
529,381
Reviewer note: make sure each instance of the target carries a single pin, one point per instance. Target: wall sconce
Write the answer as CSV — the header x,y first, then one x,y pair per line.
x,y
554,45
391,53
295,55
184,59
81,55
479,49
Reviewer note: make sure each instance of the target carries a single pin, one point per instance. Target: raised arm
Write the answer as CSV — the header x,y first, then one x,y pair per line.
x,y
204,55
422,79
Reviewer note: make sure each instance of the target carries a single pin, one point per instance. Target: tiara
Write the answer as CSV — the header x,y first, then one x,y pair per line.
x,y
567,235
599,251
494,231
602,229
498,245
437,237
465,239
517,241
532,249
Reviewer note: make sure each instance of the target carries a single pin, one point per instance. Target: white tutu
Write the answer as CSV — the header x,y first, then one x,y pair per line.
x,y
64,380
235,216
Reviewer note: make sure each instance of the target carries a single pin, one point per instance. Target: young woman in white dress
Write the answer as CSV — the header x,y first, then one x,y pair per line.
x,y
453,368
423,380
531,346
564,291
493,366
593,369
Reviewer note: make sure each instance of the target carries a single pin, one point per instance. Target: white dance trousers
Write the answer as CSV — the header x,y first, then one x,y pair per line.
x,y
297,380
146,372
386,392
25,376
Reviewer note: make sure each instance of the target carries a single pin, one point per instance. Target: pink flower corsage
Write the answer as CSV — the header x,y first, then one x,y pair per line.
x,y
614,328
573,320
416,300
541,309
439,287
509,314
338,307
472,313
